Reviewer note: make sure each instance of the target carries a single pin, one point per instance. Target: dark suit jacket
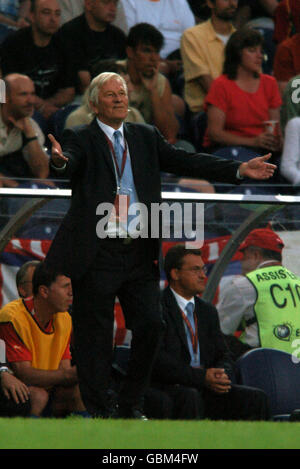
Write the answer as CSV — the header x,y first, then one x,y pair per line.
x,y
173,363
92,176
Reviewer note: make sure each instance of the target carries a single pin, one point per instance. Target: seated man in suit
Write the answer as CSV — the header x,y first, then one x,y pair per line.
x,y
193,353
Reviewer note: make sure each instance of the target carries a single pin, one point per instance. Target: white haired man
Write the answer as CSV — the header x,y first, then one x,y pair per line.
x,y
106,160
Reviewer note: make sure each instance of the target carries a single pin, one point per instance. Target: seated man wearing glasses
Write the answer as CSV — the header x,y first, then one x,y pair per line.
x,y
193,357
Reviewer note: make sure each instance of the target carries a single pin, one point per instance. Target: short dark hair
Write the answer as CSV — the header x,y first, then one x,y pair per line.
x,y
174,258
21,274
44,275
239,40
145,33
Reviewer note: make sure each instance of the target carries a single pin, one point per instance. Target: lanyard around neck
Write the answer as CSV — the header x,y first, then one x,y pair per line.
x,y
120,171
194,335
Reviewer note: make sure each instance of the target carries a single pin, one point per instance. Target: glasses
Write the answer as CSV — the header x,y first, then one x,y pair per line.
x,y
196,269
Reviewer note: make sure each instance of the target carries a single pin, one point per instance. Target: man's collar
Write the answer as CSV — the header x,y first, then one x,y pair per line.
x,y
109,131
212,34
182,302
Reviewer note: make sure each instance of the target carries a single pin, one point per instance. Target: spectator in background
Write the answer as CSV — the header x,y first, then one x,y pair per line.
x,y
13,15
21,144
202,51
290,158
264,299
70,9
242,99
286,20
35,52
152,94
290,102
91,37
170,18
24,278
287,59
37,334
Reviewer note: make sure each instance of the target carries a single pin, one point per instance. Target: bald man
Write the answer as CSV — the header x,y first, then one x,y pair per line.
x,y
21,144
35,51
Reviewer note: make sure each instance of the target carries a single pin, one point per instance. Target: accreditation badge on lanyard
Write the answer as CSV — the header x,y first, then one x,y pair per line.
x,y
121,203
194,338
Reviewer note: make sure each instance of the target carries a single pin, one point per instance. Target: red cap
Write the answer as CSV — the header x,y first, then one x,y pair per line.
x,y
264,238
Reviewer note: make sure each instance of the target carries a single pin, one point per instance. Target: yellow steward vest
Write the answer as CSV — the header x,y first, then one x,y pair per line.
x,y
46,348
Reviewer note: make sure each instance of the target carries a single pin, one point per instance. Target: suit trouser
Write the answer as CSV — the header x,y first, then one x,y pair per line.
x,y
240,403
125,271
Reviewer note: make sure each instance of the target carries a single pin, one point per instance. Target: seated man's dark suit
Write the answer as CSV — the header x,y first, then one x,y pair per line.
x,y
172,367
102,269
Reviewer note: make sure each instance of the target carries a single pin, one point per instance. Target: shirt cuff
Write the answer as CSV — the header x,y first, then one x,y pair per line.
x,y
58,170
238,176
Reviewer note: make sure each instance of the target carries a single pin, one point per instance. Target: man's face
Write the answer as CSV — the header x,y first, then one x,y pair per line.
x,y
145,59
60,295
21,98
250,260
103,11
46,17
112,107
223,9
190,279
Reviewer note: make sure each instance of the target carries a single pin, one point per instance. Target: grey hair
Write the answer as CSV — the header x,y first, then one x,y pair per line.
x,y
97,83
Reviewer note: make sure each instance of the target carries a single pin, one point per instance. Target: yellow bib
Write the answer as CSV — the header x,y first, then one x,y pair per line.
x,y
46,348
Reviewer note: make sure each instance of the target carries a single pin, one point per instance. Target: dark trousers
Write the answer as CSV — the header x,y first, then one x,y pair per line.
x,y
9,408
125,271
186,403
240,403
173,402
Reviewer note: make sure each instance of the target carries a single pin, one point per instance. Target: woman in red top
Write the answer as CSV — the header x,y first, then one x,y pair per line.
x,y
242,99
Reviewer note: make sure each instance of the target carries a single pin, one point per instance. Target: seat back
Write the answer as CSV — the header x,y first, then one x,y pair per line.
x,y
275,372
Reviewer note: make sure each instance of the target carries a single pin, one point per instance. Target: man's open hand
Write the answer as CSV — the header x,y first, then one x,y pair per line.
x,y
258,168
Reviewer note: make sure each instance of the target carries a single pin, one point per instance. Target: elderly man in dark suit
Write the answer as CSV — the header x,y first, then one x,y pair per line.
x,y
193,356
108,161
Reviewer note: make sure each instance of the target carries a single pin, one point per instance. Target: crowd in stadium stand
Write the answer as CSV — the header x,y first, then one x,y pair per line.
x,y
214,76
62,45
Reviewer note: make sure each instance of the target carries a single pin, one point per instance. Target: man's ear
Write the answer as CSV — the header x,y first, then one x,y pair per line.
x,y
43,291
93,107
174,274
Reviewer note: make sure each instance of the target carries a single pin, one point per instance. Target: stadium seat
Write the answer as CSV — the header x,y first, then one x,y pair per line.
x,y
275,372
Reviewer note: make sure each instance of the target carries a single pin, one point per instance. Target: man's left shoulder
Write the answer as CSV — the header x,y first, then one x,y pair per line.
x,y
139,128
204,306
